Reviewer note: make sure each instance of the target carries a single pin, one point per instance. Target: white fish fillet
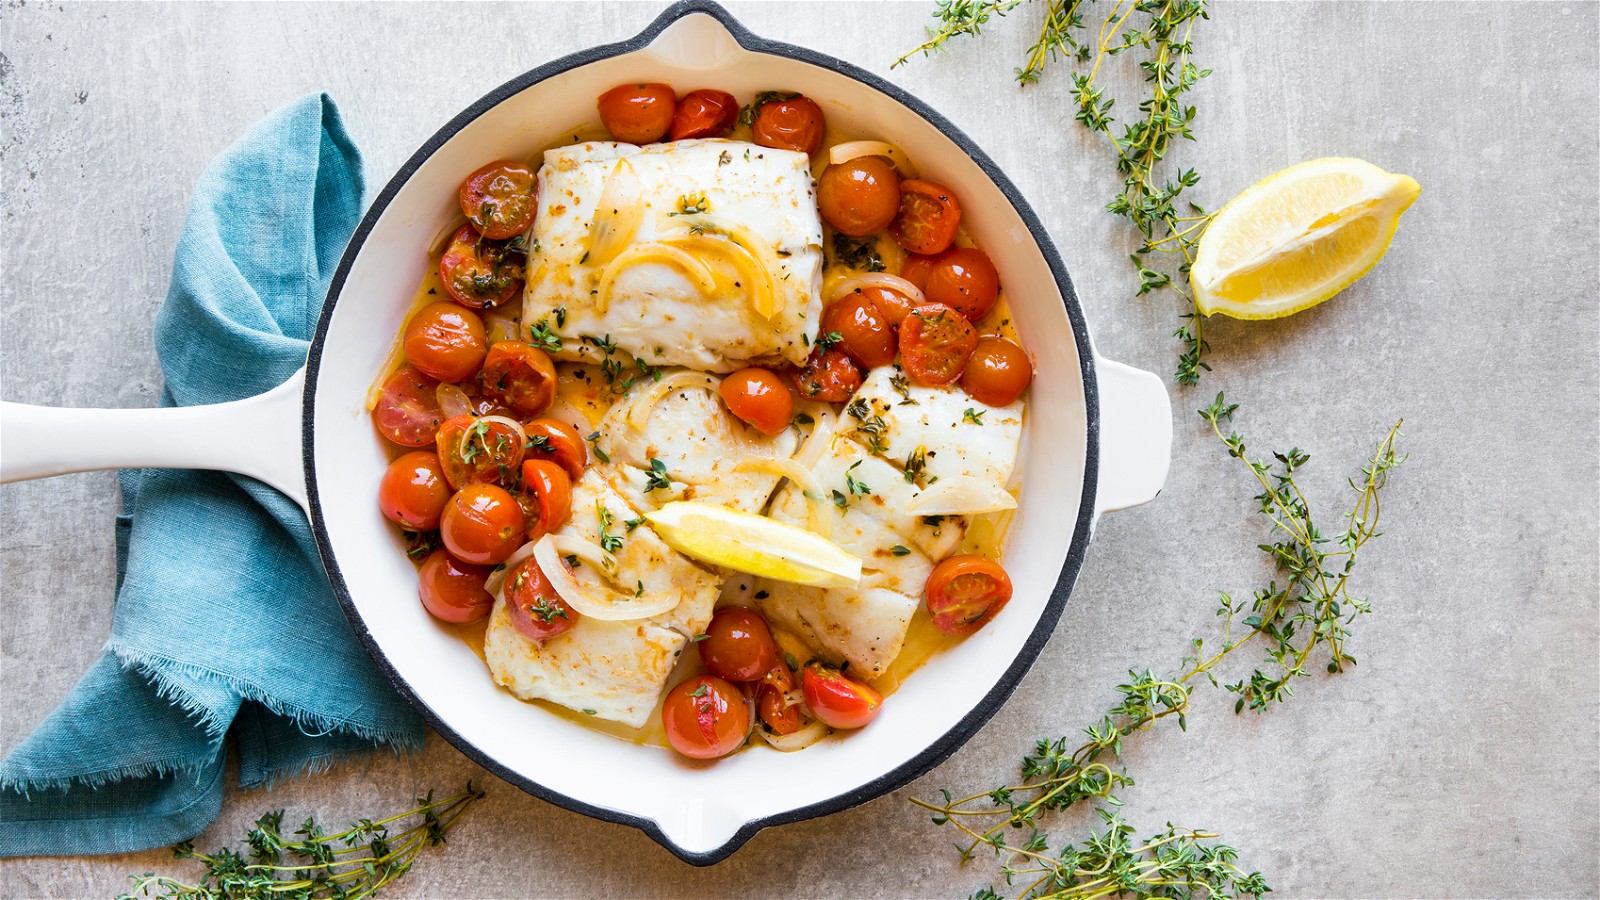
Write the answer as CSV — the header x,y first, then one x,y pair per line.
x,y
935,421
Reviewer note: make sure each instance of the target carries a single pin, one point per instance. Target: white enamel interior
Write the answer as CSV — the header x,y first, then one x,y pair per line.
x,y
698,806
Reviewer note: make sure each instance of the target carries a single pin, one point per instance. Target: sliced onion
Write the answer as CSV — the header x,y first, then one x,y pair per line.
x,y
818,519
656,252
453,401
567,412
513,424
818,442
617,215
446,233
753,275
788,743
842,153
502,324
961,495
598,602
879,280
497,578
764,294
645,403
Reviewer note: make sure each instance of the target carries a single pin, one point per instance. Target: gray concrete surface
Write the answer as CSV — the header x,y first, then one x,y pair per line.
x,y
1459,759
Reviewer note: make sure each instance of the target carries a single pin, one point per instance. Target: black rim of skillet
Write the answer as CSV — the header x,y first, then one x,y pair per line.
x,y
952,740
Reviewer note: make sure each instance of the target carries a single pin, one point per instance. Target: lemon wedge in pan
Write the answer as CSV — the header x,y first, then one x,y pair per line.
x,y
754,544
1298,237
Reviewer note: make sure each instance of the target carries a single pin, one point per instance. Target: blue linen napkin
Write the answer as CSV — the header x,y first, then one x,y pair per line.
x,y
224,621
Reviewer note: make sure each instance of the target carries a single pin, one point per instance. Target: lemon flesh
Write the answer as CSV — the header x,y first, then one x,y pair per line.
x,y
754,544
1298,237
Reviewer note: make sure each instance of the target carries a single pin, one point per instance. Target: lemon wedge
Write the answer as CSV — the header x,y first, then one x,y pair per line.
x,y
1297,238
754,544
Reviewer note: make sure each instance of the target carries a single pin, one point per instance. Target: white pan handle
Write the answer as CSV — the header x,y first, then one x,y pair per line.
x,y
1135,436
257,436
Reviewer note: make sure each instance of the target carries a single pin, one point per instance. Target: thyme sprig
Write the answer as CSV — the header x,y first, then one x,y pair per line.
x,y
351,864
1151,198
1305,616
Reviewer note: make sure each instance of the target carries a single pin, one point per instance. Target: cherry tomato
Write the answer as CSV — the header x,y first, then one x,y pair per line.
x,y
519,375
407,411
453,590
477,451
929,215
705,717
548,493
445,341
965,592
774,709
532,604
479,273
935,343
916,269
760,398
413,491
704,114
738,645
998,372
965,280
828,375
836,700
558,442
500,198
859,197
864,330
787,123
638,113
482,524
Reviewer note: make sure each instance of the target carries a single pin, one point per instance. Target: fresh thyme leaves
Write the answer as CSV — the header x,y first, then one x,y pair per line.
x,y
609,542
1306,615
351,864
900,550
629,525
540,335
421,543
747,114
693,204
857,253
902,386
475,442
541,442
1150,197
656,477
871,424
856,487
545,609
973,416
824,341
724,158
594,441
916,461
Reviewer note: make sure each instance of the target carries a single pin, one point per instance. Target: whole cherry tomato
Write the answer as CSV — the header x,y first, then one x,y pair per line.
x,y
787,122
520,376
916,269
478,451
935,343
558,442
828,375
532,604
836,700
638,113
445,341
704,114
500,199
965,280
860,196
407,411
705,717
452,590
965,592
478,272
928,218
998,372
760,398
738,645
482,524
864,332
547,493
413,491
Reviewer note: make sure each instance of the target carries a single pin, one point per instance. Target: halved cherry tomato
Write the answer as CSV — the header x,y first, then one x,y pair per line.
x,y
445,341
787,122
638,113
407,411
519,375
828,375
929,215
916,268
860,196
452,590
864,331
760,398
482,524
774,709
998,372
532,604
965,280
935,343
704,114
413,491
547,494
705,717
558,442
478,451
500,198
838,701
738,645
965,592
478,272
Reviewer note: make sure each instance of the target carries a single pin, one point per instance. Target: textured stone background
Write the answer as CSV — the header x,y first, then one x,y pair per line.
x,y
1459,759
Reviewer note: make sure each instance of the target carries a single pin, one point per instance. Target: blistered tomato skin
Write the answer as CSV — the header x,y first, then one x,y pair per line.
x,y
916,269
935,344
558,442
453,591
863,330
704,114
965,280
859,197
638,113
738,645
829,375
837,701
407,411
477,272
445,341
772,701
547,496
795,124
477,451
998,372
759,398
499,199
413,491
705,717
532,604
520,376
482,525
928,219
964,592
